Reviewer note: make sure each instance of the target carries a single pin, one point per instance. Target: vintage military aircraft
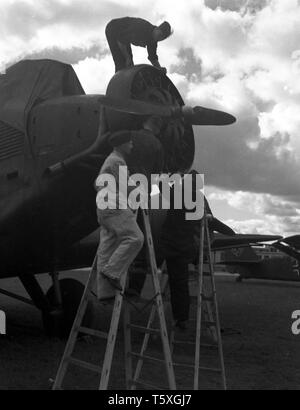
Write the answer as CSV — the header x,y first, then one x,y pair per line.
x,y
276,261
52,145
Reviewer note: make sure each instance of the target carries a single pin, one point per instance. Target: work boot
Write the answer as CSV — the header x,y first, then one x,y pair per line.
x,y
182,324
114,282
131,292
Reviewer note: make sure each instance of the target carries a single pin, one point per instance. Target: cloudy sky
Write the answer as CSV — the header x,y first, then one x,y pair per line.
x,y
236,55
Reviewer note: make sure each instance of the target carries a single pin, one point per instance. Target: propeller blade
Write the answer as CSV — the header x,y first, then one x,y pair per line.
x,y
194,116
136,107
206,116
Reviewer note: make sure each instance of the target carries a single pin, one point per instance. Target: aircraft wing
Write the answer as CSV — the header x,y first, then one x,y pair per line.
x,y
83,252
240,240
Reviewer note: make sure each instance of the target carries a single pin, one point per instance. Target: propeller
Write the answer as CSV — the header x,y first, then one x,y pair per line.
x,y
193,115
206,116
137,107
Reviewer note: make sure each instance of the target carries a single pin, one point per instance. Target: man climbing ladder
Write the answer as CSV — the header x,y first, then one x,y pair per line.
x,y
120,236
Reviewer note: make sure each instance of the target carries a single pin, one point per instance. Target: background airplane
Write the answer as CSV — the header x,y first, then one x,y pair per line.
x,y
277,261
53,142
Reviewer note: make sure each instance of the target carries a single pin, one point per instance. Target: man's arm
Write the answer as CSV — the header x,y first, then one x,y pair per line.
x,y
153,57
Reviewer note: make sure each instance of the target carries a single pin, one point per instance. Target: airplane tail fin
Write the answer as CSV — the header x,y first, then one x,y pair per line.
x,y
289,245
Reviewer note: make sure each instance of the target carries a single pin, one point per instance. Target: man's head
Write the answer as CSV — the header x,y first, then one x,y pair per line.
x,y
154,124
162,31
122,141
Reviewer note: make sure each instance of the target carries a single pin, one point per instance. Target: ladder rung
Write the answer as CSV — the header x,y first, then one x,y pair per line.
x,y
195,274
189,342
204,322
137,300
210,369
209,346
209,323
205,298
142,329
145,384
145,357
92,332
85,365
204,369
186,342
208,298
207,274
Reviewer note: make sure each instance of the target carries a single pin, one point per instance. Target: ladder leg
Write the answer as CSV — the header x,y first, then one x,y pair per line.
x,y
111,340
74,331
210,318
218,329
159,304
127,345
206,298
165,342
140,362
199,308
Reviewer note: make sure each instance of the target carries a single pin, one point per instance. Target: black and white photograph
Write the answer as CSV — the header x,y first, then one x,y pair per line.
x,y
149,197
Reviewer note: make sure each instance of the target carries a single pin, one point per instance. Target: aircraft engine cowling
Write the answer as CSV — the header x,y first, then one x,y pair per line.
x,y
147,83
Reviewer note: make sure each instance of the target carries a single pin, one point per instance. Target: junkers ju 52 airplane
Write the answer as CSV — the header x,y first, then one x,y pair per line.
x,y
51,151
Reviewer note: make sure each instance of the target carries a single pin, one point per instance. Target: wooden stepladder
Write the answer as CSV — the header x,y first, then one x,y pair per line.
x,y
111,336
207,314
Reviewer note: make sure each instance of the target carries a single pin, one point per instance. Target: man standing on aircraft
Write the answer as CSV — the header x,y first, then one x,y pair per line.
x,y
123,32
120,236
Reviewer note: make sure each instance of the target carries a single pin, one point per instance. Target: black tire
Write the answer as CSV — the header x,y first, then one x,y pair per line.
x,y
59,323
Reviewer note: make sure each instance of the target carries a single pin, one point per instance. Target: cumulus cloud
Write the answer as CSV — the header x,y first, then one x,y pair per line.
x,y
264,204
29,27
269,214
95,74
244,6
284,226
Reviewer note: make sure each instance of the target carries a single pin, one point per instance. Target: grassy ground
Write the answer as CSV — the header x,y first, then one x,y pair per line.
x,y
259,348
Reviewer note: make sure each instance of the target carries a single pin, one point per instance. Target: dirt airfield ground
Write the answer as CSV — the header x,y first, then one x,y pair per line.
x,y
259,348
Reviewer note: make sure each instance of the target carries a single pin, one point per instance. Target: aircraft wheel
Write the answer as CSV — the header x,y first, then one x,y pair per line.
x,y
58,323
239,279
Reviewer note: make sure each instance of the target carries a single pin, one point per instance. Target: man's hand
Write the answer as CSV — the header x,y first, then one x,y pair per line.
x,y
163,69
156,64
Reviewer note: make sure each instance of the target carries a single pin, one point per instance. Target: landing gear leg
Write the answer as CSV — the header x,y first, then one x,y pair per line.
x,y
64,296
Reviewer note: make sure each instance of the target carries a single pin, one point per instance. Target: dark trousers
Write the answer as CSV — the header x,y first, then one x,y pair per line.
x,y
116,52
179,287
178,282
